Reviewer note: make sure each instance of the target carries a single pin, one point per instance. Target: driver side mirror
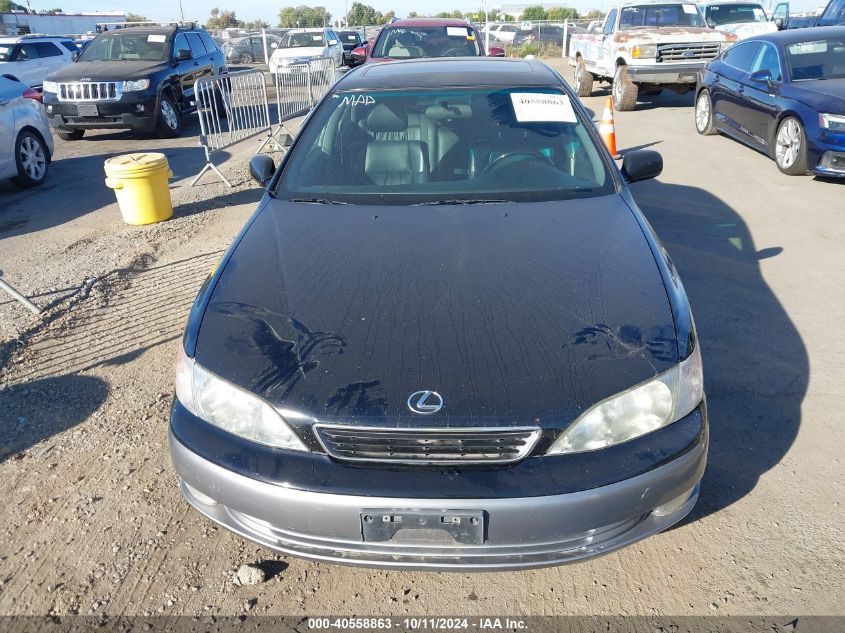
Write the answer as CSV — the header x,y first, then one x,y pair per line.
x,y
183,54
641,164
495,51
262,168
763,76
779,23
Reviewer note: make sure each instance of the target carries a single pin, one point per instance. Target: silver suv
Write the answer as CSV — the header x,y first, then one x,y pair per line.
x,y
30,58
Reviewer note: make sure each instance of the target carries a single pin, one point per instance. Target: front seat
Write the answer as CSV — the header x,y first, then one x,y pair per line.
x,y
394,162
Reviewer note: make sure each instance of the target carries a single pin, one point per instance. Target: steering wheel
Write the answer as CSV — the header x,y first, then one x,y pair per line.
x,y
515,157
454,52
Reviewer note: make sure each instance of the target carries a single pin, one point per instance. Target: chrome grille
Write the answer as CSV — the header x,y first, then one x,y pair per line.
x,y
687,52
89,91
434,446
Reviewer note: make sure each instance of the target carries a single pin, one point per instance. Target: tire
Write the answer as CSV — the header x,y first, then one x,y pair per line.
x,y
246,58
791,147
623,90
704,114
70,135
32,159
169,120
583,79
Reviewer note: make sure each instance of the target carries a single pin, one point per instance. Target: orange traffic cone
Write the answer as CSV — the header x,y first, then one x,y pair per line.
x,y
607,129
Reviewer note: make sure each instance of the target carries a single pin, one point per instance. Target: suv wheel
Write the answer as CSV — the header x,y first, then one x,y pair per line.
x,y
624,90
169,122
70,135
31,159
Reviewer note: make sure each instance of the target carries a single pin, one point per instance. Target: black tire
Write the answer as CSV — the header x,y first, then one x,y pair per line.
x,y
623,90
32,159
704,114
791,147
168,123
583,79
70,135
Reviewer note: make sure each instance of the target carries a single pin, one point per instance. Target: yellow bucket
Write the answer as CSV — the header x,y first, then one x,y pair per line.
x,y
140,184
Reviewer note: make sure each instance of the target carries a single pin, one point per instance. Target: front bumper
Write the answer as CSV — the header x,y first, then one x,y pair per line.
x,y
136,111
828,156
666,73
520,532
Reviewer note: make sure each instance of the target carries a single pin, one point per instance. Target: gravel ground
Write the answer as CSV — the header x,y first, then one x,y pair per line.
x,y
93,522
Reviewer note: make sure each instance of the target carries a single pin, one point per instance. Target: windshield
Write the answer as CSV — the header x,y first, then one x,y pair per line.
x,y
834,14
651,15
126,47
6,52
445,146
427,41
718,14
302,40
817,59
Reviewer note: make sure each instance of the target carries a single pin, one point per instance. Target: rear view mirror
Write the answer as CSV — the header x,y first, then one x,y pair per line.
x,y
496,52
641,164
262,168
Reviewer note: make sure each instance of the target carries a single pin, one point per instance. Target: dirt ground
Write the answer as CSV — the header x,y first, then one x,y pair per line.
x,y
92,519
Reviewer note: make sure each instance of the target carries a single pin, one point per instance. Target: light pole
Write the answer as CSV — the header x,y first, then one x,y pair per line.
x,y
486,29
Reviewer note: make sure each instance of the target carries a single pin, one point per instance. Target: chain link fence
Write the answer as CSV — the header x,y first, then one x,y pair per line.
x,y
540,38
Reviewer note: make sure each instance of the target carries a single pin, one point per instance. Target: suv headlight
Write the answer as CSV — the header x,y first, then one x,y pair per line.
x,y
137,84
646,51
50,86
636,411
231,408
835,122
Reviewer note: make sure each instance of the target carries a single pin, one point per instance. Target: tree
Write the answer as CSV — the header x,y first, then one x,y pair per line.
x,y
413,14
304,16
257,24
51,12
364,15
389,15
7,6
533,13
223,20
561,13
595,14
134,17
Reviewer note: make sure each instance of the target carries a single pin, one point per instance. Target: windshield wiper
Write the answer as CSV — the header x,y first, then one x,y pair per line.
x,y
317,201
457,201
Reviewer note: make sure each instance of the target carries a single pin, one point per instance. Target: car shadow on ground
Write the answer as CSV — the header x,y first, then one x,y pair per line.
x,y
756,365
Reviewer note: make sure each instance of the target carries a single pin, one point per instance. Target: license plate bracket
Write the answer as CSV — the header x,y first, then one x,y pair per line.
x,y
464,526
87,109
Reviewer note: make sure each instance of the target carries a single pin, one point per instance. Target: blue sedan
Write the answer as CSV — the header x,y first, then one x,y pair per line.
x,y
782,94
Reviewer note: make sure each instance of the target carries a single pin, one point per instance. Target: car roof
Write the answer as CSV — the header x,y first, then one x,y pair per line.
x,y
15,39
791,36
466,72
428,22
308,30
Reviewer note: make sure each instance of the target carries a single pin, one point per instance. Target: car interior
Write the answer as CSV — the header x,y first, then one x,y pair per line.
x,y
410,142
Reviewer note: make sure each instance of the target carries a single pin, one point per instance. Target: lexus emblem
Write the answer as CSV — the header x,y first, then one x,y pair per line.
x,y
425,402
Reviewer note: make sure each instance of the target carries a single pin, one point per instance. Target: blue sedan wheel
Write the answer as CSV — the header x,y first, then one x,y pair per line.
x,y
704,114
791,147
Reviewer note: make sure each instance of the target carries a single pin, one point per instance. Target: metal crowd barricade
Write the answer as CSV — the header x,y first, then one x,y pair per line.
x,y
232,107
300,86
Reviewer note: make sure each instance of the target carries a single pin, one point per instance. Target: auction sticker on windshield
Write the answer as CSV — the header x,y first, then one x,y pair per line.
x,y
531,107
156,38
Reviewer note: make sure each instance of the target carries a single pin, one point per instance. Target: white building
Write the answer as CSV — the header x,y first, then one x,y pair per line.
x,y
17,23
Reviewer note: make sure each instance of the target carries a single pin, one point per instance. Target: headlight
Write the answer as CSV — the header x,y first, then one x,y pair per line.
x,y
835,122
50,86
138,84
646,51
637,411
231,408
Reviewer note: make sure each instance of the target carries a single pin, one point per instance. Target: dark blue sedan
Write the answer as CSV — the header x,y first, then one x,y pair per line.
x,y
782,94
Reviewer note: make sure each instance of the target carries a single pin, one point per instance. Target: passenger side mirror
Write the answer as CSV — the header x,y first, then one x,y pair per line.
x,y
779,23
183,54
495,51
262,168
641,164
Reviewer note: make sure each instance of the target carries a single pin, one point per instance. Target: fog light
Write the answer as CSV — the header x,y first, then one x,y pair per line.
x,y
203,499
50,109
674,505
833,161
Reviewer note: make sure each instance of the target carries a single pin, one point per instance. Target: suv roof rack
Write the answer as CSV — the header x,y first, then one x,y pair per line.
x,y
114,26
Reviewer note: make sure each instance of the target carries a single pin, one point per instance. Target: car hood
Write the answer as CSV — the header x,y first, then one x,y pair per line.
x,y
824,95
515,313
106,71
303,51
744,30
672,35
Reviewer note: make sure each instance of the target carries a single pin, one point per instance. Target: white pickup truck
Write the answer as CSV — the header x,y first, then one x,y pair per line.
x,y
645,46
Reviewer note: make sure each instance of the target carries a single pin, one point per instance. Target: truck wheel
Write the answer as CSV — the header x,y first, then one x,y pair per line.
x,y
791,147
70,135
169,123
583,79
31,159
624,90
704,114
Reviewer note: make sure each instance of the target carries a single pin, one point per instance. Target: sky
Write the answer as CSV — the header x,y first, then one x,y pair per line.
x,y
269,11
